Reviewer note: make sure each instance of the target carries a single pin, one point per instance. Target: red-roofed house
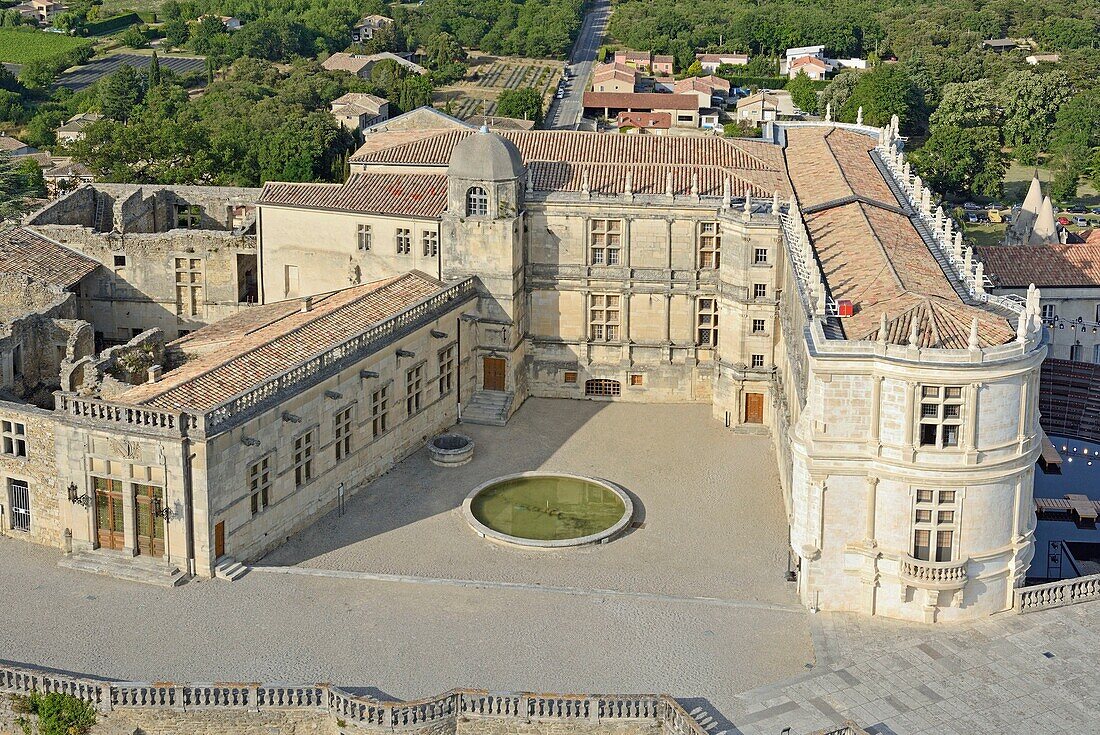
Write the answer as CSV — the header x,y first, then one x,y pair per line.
x,y
711,62
657,123
814,67
683,107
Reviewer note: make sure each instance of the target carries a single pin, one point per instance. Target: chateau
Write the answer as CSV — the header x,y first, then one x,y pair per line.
x,y
192,374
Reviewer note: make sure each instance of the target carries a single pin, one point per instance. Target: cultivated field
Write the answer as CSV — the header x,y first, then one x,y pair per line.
x,y
488,76
23,47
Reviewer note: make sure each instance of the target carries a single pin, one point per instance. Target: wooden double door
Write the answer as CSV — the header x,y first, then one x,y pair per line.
x,y
110,516
493,372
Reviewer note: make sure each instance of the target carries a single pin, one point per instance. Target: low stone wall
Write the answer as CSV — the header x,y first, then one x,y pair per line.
x,y
320,709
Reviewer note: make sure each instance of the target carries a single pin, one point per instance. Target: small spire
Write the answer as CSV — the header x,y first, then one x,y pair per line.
x,y
695,184
629,186
669,188
979,277
828,112
895,125
727,191
882,328
484,128
1021,327
859,115
775,202
914,330
748,202
973,342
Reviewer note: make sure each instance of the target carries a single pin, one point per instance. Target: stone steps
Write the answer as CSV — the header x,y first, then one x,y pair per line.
x,y
230,569
488,408
144,570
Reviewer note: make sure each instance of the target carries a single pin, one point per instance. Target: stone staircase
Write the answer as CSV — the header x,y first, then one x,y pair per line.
x,y
488,407
230,569
120,565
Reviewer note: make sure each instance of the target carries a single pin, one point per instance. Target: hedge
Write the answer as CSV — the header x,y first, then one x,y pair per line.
x,y
111,25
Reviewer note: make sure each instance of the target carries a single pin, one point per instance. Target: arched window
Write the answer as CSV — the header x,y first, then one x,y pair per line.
x,y
477,202
602,387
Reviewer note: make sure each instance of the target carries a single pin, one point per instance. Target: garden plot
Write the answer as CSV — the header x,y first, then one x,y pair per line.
x,y
488,76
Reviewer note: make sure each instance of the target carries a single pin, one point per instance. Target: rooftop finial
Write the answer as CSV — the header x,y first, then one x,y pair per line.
x,y
914,331
828,112
484,128
859,115
882,328
973,342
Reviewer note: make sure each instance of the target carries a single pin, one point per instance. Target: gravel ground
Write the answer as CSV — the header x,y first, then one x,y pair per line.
x,y
709,499
403,640
702,613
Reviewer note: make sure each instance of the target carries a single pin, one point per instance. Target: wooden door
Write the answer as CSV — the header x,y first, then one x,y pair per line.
x,y
219,540
754,408
149,524
109,517
494,373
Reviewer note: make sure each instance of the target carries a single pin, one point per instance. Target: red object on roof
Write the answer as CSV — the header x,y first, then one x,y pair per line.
x,y
845,307
656,120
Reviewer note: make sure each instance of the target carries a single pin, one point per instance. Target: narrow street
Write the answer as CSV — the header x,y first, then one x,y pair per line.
x,y
565,113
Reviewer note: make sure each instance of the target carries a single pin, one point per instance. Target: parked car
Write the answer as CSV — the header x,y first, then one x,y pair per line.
x,y
1078,209
1063,221
971,206
1096,210
1081,221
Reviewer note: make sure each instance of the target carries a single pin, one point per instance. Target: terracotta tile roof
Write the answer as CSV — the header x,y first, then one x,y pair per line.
x,y
870,252
640,101
558,159
616,71
246,350
702,84
659,120
28,253
341,61
1018,266
723,58
809,61
415,195
366,102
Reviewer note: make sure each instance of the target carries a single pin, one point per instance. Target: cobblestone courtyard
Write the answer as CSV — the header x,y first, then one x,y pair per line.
x,y
399,597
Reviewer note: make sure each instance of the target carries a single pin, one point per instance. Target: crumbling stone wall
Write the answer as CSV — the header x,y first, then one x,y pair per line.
x,y
116,369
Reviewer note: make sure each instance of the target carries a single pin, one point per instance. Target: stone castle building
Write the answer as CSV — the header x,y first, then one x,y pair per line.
x,y
801,284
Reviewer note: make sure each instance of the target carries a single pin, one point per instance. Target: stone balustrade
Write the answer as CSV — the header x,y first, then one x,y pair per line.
x,y
136,418
1057,594
940,575
361,711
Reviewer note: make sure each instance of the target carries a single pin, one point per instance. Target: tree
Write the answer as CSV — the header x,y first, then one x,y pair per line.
x,y
965,160
38,74
524,103
122,91
1075,144
695,69
1031,101
838,91
802,92
208,35
153,74
14,190
41,130
34,181
883,92
176,31
134,37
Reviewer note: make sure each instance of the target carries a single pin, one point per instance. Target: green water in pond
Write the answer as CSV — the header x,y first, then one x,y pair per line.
x,y
547,508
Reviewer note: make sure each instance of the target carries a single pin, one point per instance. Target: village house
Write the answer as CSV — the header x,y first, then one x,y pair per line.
x,y
765,106
615,77
75,127
711,62
656,123
684,108
40,11
646,61
365,29
357,111
361,64
811,66
15,147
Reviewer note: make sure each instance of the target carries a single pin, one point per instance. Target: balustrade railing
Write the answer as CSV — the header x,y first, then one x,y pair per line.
x,y
364,711
1057,594
137,417
934,574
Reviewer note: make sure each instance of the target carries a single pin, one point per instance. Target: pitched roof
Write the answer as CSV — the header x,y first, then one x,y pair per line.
x,y
359,103
341,61
641,101
8,143
869,251
495,122
723,58
77,123
1055,265
809,61
659,120
706,84
27,253
416,195
558,159
260,343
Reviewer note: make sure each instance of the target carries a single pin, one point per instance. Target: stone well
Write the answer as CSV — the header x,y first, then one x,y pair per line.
x,y
451,450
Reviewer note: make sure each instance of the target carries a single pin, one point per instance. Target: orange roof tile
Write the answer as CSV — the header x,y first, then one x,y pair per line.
x,y
640,101
27,253
417,195
1018,266
250,348
869,251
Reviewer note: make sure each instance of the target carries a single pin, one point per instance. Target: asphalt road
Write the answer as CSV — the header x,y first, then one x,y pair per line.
x,y
565,113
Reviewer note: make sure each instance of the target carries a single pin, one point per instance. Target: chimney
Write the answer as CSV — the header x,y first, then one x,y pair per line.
x,y
307,304
155,371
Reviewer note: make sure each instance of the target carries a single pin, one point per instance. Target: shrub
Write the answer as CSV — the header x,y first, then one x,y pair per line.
x,y
58,714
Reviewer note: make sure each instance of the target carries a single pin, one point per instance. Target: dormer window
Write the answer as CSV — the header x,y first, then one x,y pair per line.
x,y
477,202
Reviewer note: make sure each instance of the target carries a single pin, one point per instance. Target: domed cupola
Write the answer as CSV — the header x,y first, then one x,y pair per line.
x,y
485,156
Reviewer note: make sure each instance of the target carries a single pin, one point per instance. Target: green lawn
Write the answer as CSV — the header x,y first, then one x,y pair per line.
x,y
1018,179
982,235
22,47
